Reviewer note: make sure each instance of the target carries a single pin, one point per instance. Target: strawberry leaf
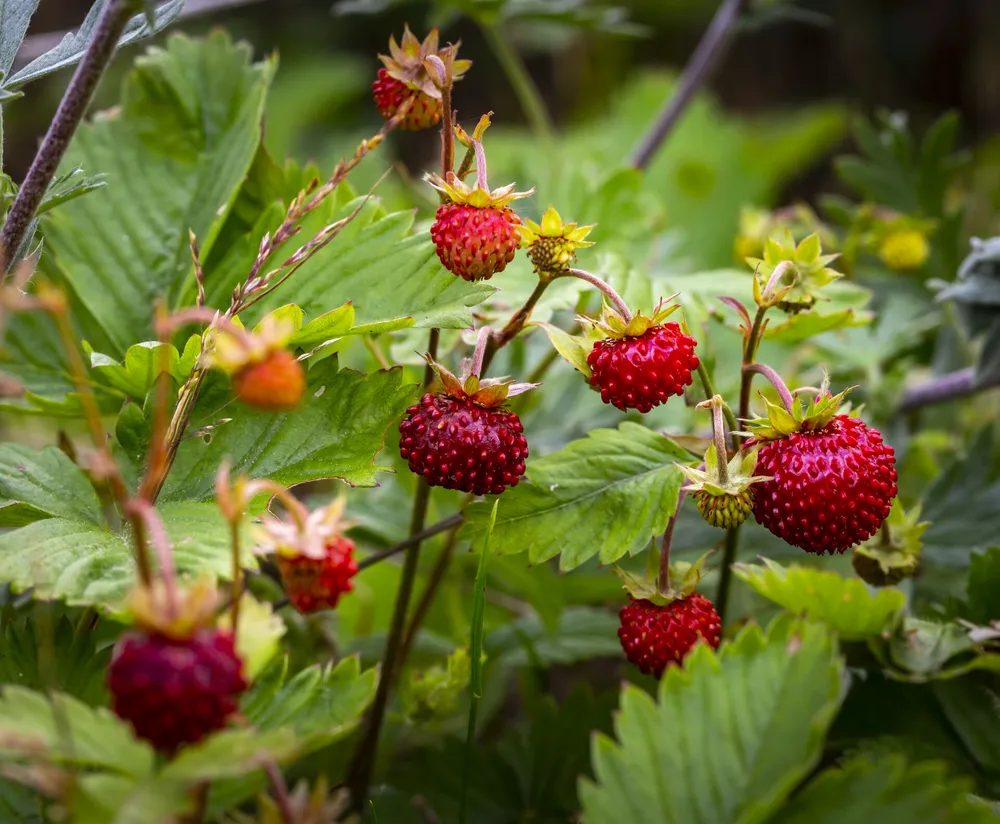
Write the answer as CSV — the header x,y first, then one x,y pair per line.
x,y
728,737
43,484
889,791
605,495
846,605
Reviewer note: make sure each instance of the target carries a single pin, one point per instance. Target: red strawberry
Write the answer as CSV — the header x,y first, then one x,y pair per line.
x,y
176,691
463,438
641,372
459,444
405,78
655,637
313,584
475,243
390,93
832,478
274,384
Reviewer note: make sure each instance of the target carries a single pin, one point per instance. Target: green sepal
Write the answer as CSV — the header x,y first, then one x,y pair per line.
x,y
740,470
684,578
489,393
805,416
801,288
893,553
613,325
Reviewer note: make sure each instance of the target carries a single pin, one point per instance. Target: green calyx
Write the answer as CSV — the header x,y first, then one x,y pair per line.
x,y
724,499
613,325
894,552
684,578
489,393
804,416
457,191
801,283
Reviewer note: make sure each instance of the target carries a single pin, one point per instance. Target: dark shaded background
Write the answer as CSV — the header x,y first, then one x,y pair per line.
x,y
920,56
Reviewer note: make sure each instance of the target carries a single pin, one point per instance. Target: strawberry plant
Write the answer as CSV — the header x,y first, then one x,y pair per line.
x,y
573,503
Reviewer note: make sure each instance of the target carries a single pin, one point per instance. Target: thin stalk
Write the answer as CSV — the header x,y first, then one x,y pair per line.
x,y
360,775
719,435
749,354
663,582
430,590
709,387
516,323
432,350
726,572
762,369
68,116
281,796
164,552
714,44
237,587
423,535
447,133
482,341
606,288
524,87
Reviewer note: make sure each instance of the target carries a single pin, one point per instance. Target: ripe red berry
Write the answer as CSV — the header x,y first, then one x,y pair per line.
x,y
475,243
176,692
458,444
830,488
275,384
313,584
390,93
643,371
655,637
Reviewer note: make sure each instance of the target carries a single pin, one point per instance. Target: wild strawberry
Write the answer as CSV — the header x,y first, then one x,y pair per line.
x,y
463,438
405,78
175,679
552,244
642,362
832,478
275,384
263,373
475,232
176,691
655,637
315,559
894,553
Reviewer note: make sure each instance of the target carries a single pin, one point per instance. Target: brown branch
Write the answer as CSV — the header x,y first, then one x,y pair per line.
x,y
714,44
944,388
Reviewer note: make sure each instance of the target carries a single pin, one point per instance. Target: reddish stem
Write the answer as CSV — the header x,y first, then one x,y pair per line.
x,y
482,341
164,552
612,295
762,369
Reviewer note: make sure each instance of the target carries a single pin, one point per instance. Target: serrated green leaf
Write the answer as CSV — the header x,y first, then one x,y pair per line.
x,y
972,706
605,495
72,47
84,563
889,792
20,805
36,484
15,15
573,348
137,373
387,273
175,157
233,753
70,731
111,799
336,433
321,700
846,605
729,736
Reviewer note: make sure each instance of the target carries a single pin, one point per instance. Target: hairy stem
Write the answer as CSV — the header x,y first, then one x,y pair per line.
x,y
714,44
762,369
516,323
606,288
423,535
749,354
524,87
709,387
64,124
719,435
360,775
447,133
944,388
663,581
482,341
726,572
237,587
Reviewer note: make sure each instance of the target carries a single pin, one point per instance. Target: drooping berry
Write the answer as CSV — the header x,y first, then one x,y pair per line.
x,y
655,637
314,584
457,443
390,94
642,371
176,691
830,487
274,384
405,78
475,242
894,552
